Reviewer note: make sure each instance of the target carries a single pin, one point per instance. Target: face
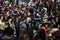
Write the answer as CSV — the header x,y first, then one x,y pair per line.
x,y
10,20
8,13
38,14
28,13
1,17
19,17
46,25
28,19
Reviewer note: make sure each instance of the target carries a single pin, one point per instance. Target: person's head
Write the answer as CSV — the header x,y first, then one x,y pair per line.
x,y
8,13
42,10
19,17
2,18
59,26
46,25
28,19
23,19
28,13
10,21
43,24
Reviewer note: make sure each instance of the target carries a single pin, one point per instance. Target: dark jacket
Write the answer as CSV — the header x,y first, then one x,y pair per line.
x,y
42,34
57,35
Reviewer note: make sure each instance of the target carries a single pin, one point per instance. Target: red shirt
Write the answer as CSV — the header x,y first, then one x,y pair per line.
x,y
43,4
1,3
13,8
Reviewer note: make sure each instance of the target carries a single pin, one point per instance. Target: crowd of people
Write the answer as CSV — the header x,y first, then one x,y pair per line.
x,y
30,15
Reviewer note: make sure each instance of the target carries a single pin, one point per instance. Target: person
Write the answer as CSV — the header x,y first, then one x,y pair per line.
x,y
29,28
8,31
56,34
42,33
1,23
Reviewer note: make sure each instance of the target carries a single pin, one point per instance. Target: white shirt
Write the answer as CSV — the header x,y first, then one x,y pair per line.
x,y
1,25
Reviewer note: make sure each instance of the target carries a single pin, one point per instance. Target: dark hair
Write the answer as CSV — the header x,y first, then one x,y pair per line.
x,y
59,28
43,24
